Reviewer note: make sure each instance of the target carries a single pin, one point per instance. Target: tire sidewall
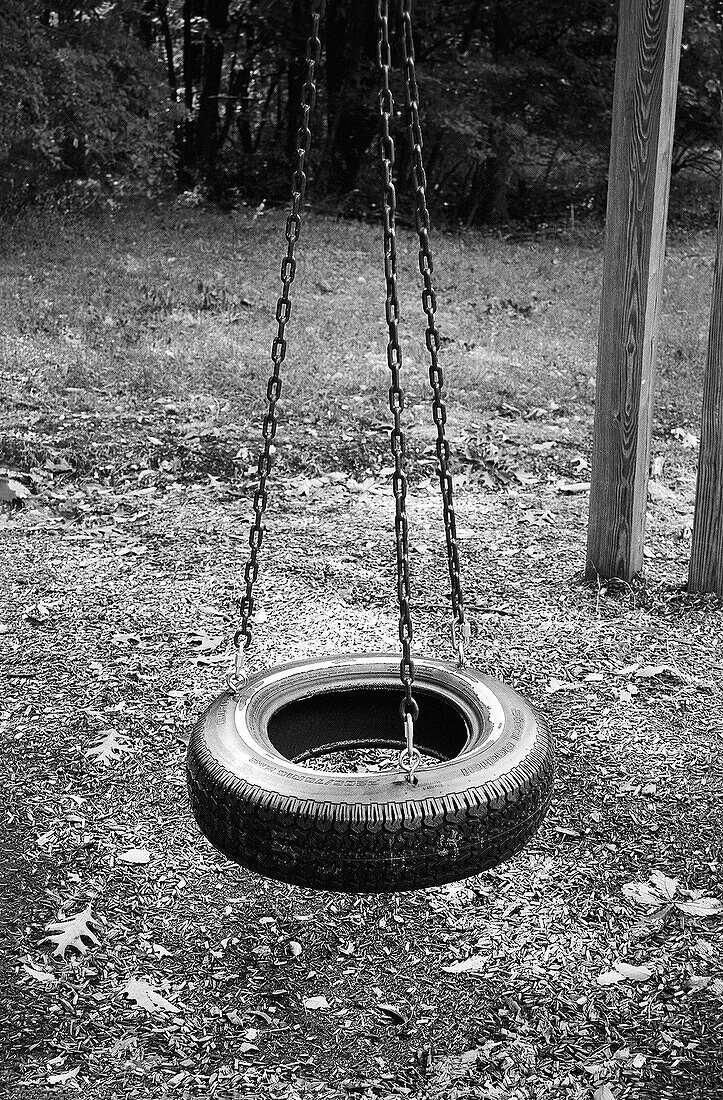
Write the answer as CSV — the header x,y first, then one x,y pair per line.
x,y
506,743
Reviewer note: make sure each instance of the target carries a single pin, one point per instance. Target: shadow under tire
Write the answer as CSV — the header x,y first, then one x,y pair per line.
x,y
478,803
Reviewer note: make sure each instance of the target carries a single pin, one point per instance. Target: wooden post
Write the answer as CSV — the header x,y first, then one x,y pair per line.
x,y
706,559
646,75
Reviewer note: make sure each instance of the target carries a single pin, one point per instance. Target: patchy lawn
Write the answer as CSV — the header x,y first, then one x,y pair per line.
x,y
134,367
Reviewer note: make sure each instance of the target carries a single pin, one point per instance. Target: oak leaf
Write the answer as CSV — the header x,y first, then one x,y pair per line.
x,y
72,932
109,747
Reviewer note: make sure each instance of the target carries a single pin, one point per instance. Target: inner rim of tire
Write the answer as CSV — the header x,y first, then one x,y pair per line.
x,y
365,718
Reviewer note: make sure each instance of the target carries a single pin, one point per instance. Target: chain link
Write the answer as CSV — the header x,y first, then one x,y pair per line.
x,y
242,637
409,709
460,626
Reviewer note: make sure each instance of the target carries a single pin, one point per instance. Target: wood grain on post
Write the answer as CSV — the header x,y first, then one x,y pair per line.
x,y
706,559
646,75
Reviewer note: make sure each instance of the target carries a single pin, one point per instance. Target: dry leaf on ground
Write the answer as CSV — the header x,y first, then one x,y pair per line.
x,y
109,747
475,963
145,996
72,932
62,1078
135,855
660,892
622,972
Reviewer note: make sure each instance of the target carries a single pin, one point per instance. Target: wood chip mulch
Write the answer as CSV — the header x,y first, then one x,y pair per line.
x,y
204,980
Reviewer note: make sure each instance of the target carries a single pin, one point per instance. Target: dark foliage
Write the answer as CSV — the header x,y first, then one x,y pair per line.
x,y
515,100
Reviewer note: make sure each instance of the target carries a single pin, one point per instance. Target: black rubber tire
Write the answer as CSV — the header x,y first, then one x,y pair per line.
x,y
371,831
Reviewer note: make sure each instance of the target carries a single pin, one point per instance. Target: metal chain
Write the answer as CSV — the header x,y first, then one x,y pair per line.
x,y
460,626
242,637
409,710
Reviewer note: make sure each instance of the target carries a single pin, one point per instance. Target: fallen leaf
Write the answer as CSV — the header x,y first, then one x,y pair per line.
x,y
624,972
634,973
609,977
38,613
61,1078
563,486
315,1003
109,747
135,855
202,643
648,672
696,981
604,1092
554,685
642,893
145,996
72,932
39,975
475,963
660,492
664,885
661,893
12,490
57,466
688,439
700,907
294,948
392,1013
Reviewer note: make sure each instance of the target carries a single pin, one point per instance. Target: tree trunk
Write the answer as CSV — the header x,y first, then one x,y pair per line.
x,y
168,47
192,62
351,80
503,27
500,172
146,30
470,26
243,84
488,193
208,125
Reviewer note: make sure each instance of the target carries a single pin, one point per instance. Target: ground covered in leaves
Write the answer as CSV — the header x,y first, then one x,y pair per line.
x,y
140,962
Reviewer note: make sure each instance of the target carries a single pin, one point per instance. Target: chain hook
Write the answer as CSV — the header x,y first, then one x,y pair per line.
x,y
461,634
237,677
409,757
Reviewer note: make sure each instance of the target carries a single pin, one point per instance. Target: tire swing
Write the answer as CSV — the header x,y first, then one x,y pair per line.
x,y
491,781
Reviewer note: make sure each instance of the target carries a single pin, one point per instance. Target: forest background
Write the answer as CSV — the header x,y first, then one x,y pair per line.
x,y
105,101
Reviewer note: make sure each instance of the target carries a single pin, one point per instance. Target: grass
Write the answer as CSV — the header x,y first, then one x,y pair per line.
x,y
135,362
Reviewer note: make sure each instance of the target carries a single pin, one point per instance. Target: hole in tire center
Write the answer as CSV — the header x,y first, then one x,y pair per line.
x,y
361,729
